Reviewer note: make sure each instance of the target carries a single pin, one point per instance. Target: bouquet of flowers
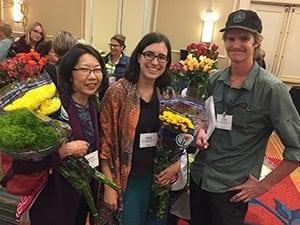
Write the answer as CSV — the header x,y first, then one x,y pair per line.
x,y
195,69
179,117
27,96
25,92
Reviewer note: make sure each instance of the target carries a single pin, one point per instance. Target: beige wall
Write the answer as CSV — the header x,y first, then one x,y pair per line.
x,y
54,15
133,19
181,20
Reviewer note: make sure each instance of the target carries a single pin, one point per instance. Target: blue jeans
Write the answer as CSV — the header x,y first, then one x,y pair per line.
x,y
136,202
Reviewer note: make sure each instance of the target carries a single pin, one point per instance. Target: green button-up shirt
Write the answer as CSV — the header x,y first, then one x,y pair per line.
x,y
263,106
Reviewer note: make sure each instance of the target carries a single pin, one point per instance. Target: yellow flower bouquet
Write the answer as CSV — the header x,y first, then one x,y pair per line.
x,y
179,119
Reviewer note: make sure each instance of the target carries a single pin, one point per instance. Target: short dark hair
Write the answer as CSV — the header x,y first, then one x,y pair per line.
x,y
44,47
69,61
133,71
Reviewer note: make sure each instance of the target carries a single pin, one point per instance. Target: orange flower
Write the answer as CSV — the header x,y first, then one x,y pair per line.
x,y
22,66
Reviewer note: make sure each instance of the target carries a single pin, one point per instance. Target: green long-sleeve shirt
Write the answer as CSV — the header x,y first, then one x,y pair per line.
x,y
263,106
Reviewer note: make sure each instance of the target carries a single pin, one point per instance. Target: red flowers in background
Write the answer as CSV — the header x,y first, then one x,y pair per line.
x,y
205,49
21,67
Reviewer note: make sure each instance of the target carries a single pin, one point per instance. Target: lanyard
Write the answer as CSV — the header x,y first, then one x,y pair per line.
x,y
228,107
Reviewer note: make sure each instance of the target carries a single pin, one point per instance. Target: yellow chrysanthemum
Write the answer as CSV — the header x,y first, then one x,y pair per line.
x,y
178,120
49,106
33,98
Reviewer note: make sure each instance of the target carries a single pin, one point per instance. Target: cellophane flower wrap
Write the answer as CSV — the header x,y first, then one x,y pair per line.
x,y
180,117
28,98
194,70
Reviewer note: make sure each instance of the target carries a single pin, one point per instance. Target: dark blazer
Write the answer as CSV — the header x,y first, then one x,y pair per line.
x,y
120,67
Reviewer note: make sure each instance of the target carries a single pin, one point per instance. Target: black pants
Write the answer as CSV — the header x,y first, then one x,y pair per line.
x,y
209,208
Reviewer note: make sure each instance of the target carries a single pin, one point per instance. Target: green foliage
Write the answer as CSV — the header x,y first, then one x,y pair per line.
x,y
22,130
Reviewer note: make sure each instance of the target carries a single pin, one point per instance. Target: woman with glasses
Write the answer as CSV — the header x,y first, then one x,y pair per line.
x,y
81,76
116,61
129,121
34,35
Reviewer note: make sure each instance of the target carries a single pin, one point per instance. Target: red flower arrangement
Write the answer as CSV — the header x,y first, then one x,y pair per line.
x,y
205,49
21,67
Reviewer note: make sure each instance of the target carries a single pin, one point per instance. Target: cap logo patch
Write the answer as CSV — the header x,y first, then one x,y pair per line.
x,y
239,17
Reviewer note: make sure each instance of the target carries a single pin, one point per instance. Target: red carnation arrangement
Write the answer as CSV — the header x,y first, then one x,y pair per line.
x,y
21,67
205,49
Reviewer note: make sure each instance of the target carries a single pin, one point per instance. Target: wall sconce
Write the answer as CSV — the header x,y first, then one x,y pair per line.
x,y
208,26
17,11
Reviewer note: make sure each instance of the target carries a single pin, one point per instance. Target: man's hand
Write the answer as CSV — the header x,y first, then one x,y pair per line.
x,y
250,189
201,139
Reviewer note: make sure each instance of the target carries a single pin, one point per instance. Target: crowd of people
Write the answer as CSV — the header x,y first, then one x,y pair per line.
x,y
250,104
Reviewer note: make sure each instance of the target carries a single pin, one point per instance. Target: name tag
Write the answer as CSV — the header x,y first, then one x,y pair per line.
x,y
148,140
224,122
93,159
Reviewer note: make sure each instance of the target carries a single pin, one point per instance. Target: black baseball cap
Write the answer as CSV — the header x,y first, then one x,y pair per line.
x,y
245,20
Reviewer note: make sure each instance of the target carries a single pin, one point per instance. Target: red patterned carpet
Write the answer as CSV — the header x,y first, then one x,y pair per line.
x,y
280,205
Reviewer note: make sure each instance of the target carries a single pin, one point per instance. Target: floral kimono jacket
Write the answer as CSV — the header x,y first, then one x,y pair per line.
x,y
119,116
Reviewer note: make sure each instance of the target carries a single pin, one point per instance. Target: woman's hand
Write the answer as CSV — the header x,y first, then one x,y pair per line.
x,y
76,148
110,198
167,176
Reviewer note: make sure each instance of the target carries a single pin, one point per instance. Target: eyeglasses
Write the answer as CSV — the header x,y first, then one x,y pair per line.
x,y
149,56
113,45
37,32
88,71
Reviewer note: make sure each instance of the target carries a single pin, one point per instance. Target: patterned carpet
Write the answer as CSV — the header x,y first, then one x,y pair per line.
x,y
281,204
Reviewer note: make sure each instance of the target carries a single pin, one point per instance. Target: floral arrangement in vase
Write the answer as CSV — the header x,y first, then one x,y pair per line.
x,y
195,69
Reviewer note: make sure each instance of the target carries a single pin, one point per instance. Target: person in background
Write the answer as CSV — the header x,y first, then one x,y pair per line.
x,y
46,50
81,73
116,61
34,35
129,112
250,104
259,57
5,39
62,42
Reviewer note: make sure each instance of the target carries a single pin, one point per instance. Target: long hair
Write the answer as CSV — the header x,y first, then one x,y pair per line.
x,y
133,71
30,28
70,60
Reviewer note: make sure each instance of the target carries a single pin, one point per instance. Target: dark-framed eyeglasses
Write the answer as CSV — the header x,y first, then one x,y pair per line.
x,y
88,71
114,45
149,56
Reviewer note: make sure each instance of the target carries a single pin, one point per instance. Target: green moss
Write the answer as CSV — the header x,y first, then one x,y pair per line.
x,y
16,137
22,130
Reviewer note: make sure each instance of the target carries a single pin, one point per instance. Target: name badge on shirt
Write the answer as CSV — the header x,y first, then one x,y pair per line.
x,y
148,140
224,122
93,159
